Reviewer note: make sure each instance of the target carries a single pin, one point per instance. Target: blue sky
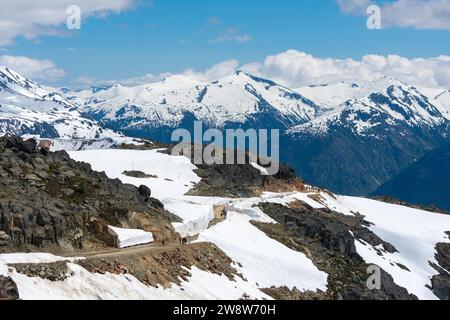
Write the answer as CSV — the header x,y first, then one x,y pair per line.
x,y
173,35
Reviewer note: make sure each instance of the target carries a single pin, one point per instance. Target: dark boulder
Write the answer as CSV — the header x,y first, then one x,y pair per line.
x,y
8,289
27,146
145,192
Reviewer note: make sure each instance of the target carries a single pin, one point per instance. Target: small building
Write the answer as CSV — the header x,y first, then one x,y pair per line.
x,y
220,213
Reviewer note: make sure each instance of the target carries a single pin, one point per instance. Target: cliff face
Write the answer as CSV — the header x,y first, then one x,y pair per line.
x,y
49,200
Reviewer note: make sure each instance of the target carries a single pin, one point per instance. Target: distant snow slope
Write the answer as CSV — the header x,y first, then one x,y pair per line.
x,y
442,101
396,105
330,96
27,108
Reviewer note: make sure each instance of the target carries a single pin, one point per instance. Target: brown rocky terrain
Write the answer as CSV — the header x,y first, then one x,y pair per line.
x,y
163,266
51,202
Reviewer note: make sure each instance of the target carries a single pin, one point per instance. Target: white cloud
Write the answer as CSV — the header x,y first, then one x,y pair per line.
x,y
86,81
39,70
232,35
33,18
417,14
291,68
215,72
295,69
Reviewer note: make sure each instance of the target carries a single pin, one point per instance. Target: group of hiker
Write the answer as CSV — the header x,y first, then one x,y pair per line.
x,y
45,145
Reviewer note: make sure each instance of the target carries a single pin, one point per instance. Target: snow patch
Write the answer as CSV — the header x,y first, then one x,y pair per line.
x,y
131,237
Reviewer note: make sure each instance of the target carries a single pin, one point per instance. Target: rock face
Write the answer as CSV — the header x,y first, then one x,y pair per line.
x,y
241,180
8,289
49,199
328,239
441,282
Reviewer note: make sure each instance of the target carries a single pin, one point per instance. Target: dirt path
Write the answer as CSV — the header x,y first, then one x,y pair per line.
x,y
116,252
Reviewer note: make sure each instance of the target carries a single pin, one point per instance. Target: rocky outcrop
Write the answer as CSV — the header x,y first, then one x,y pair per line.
x,y
441,286
48,199
8,289
240,180
441,282
328,239
138,174
56,271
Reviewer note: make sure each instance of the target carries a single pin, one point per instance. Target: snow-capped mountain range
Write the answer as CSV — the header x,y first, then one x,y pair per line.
x,y
28,108
243,100
393,106
237,100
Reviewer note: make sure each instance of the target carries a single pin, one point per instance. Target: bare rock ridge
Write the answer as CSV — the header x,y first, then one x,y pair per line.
x,y
49,200
328,239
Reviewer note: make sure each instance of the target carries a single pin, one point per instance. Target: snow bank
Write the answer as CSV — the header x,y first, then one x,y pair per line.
x,y
131,237
196,217
262,260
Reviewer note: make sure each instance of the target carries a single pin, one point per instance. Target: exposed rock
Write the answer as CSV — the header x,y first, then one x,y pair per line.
x,y
8,289
49,199
441,282
326,238
441,286
56,271
284,293
138,174
17,143
322,227
145,192
242,180
443,255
